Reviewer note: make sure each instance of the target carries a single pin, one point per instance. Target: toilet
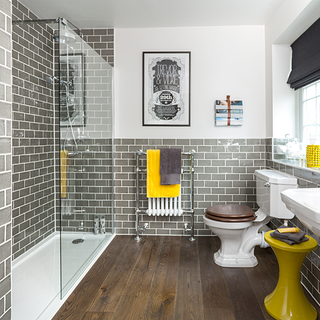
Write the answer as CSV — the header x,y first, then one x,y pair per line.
x,y
238,226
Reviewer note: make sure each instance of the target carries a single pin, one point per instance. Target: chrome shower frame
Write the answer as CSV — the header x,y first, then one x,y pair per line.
x,y
139,211
46,21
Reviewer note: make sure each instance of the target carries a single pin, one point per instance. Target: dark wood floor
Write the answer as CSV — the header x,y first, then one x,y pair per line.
x,y
171,278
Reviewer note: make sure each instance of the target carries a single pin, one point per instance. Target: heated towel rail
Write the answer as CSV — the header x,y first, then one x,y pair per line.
x,y
190,211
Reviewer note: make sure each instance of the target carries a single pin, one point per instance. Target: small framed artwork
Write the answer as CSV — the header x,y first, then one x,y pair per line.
x,y
229,112
166,88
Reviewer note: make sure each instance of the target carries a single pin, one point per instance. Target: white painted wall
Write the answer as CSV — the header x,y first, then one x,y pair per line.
x,y
225,60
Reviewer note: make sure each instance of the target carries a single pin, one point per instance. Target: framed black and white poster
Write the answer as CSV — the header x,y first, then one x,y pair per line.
x,y
166,88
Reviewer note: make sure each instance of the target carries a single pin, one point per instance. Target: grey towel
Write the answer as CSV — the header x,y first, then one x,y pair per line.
x,y
170,166
289,238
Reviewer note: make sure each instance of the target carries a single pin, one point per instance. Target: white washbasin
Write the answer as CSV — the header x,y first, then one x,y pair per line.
x,y
305,204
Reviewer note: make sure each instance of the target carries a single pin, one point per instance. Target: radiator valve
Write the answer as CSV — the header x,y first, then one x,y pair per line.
x,y
186,228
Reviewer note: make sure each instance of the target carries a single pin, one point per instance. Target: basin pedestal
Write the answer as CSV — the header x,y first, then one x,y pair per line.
x,y
288,301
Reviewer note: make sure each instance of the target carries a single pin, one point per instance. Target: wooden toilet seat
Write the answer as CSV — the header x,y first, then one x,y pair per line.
x,y
230,213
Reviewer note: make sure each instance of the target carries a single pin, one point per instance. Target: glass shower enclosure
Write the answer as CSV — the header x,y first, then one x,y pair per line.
x,y
84,83
70,97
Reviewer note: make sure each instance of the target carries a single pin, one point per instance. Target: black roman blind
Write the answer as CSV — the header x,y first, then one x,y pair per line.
x,y
305,67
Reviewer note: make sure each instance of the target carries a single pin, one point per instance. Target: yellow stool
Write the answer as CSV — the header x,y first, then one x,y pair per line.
x,y
288,301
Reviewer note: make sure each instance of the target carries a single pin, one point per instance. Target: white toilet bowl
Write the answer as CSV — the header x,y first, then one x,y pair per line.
x,y
238,239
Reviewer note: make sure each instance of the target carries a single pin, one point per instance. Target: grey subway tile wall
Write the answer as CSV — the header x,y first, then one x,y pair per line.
x,y
102,41
90,170
33,133
90,187
310,272
5,159
36,138
224,173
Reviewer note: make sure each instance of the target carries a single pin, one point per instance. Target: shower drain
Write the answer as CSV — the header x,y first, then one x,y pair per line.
x,y
76,241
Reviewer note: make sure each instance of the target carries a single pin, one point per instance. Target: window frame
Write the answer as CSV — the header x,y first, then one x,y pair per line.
x,y
301,101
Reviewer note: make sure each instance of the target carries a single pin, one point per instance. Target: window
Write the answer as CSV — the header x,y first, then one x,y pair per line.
x,y
310,113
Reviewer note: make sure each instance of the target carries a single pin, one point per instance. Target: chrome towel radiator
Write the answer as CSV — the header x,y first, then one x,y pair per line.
x,y
190,211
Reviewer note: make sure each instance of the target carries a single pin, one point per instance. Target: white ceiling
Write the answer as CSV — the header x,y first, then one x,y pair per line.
x,y
155,13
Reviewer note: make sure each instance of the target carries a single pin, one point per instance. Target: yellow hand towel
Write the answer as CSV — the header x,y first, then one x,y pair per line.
x,y
63,173
154,188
